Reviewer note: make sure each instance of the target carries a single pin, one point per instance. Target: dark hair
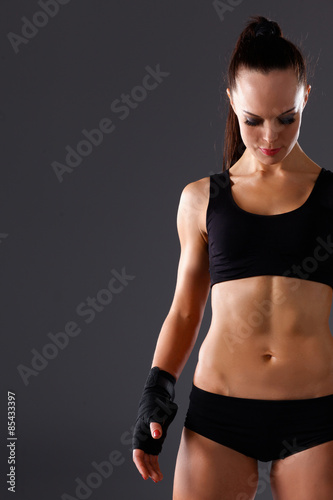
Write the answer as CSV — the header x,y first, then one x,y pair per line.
x,y
262,47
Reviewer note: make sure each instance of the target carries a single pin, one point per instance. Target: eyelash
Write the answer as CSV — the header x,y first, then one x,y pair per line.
x,y
288,121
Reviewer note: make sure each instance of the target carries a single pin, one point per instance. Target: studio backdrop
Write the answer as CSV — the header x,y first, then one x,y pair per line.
x,y
108,110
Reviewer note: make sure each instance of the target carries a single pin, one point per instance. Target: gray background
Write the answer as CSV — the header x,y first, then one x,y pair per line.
x,y
60,241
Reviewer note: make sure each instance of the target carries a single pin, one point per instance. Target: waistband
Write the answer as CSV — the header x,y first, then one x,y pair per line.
x,y
212,399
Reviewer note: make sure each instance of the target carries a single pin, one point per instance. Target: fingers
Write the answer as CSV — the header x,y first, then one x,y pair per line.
x,y
156,430
158,476
140,462
147,465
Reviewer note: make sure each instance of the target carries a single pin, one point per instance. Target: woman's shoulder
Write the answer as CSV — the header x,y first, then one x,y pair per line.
x,y
316,168
198,188
195,195
198,184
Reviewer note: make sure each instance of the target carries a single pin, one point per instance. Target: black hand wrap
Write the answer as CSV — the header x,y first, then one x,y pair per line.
x,y
156,405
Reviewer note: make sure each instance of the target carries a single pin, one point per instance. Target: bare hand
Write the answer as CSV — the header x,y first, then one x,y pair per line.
x,y
147,464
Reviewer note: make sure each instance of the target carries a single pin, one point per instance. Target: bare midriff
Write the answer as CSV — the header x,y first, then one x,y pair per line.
x,y
269,338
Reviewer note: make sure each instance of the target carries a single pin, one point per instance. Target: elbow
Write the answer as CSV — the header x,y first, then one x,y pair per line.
x,y
189,317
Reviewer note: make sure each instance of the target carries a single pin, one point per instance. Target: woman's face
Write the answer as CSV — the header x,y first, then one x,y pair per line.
x,y
269,110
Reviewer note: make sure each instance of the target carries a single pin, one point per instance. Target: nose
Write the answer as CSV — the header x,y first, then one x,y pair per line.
x,y
270,134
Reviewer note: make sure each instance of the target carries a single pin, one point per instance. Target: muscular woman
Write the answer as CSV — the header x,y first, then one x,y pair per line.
x,y
258,235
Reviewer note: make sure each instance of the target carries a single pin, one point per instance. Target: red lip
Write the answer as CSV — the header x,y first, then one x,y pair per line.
x,y
270,152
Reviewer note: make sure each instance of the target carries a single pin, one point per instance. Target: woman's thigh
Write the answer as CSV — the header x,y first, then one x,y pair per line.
x,y
306,475
206,470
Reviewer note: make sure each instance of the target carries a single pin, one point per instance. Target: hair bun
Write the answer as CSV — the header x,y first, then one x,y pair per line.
x,y
267,28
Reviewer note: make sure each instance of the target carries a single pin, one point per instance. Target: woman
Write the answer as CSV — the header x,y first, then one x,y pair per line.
x,y
259,234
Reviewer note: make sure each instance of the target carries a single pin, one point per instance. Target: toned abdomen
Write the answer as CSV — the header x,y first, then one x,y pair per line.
x,y
268,340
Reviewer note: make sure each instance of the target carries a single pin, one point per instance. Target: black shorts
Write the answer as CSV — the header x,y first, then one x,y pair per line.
x,y
260,428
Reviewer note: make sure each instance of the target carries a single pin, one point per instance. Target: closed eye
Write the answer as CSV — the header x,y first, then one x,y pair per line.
x,y
283,121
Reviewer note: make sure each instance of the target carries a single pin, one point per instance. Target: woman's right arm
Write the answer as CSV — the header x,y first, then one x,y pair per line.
x,y
181,326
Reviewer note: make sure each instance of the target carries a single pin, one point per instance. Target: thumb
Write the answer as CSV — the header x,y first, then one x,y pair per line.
x,y
156,430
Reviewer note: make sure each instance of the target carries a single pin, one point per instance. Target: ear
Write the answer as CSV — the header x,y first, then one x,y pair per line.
x,y
230,99
306,95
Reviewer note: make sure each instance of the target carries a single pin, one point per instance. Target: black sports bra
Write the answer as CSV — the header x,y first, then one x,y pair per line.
x,y
296,244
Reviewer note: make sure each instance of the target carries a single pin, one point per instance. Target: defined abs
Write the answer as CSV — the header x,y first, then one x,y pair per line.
x,y
270,366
